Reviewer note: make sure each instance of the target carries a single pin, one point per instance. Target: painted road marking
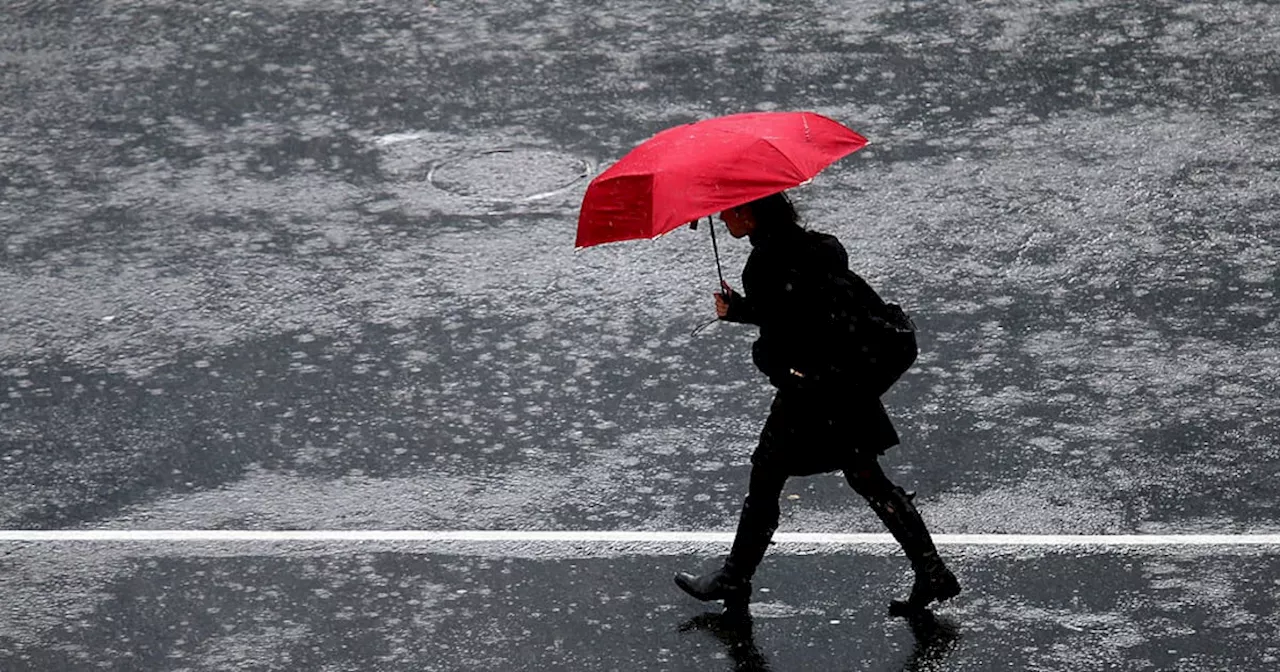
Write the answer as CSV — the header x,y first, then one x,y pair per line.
x,y
622,537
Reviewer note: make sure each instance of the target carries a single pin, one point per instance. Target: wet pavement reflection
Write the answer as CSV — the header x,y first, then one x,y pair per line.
x,y
736,631
935,638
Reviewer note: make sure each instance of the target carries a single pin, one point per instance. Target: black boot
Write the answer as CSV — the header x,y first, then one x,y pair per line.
x,y
933,581
732,582
722,584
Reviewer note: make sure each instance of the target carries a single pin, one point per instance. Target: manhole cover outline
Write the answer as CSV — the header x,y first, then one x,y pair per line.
x,y
584,168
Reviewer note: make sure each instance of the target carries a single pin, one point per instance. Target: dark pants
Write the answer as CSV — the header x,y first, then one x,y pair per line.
x,y
808,434
760,509
866,478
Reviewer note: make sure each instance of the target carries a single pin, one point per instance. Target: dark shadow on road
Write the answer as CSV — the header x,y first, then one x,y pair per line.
x,y
737,632
935,640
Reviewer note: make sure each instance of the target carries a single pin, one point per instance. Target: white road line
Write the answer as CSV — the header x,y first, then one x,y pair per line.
x,y
622,537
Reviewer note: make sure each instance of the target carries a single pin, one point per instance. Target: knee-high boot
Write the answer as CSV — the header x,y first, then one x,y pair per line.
x,y
933,580
732,581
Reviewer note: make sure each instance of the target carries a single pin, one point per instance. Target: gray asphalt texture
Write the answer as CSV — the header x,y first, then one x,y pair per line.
x,y
308,264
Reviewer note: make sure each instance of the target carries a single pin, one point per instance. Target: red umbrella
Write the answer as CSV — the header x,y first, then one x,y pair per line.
x,y
699,169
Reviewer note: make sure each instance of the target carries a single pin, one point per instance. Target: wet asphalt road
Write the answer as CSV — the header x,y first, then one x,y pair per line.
x,y
356,608
308,264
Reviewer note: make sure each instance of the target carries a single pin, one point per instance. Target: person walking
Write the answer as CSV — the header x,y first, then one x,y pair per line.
x,y
825,415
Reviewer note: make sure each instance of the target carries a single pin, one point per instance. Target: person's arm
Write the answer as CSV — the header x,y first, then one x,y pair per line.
x,y
774,293
774,290
777,294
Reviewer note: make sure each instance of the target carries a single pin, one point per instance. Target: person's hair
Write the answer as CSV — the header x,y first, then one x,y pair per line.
x,y
774,211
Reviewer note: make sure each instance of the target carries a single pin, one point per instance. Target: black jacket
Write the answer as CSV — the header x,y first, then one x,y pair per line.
x,y
817,422
783,285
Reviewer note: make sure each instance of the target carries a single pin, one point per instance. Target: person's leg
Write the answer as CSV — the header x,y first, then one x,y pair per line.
x,y
933,581
756,524
758,520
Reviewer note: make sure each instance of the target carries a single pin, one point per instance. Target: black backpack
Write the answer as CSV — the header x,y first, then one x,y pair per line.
x,y
878,343
864,340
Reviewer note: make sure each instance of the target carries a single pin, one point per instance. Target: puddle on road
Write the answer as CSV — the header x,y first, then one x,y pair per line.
x,y
510,174
431,171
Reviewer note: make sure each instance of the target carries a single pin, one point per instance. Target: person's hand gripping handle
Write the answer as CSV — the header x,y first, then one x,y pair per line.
x,y
724,297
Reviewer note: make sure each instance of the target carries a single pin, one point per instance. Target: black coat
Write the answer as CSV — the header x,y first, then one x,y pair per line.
x,y
815,424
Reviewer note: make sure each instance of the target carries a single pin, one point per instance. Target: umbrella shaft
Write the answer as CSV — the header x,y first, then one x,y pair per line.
x,y
716,248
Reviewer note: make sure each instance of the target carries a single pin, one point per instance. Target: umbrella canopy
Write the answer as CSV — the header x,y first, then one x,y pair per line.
x,y
699,169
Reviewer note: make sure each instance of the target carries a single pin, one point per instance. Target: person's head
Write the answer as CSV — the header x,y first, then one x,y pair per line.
x,y
772,211
739,219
